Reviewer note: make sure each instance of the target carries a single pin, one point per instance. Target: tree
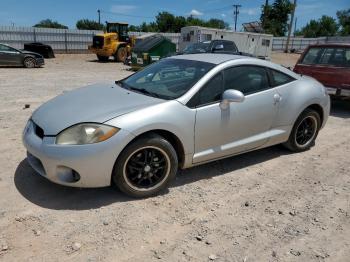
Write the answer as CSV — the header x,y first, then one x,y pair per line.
x,y
165,22
274,18
216,23
86,24
48,23
344,21
325,26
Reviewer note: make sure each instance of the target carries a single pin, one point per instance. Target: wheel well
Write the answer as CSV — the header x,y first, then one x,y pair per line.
x,y
318,109
172,139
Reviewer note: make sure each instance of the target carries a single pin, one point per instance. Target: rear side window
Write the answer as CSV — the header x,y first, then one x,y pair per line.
x,y
341,57
279,78
247,79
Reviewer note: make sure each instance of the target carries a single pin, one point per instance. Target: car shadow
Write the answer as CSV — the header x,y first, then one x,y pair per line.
x,y
46,194
340,108
227,165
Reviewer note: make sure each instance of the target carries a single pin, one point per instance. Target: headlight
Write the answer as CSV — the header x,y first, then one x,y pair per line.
x,y
86,133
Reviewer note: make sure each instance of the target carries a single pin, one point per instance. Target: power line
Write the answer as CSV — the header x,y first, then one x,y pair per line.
x,y
235,14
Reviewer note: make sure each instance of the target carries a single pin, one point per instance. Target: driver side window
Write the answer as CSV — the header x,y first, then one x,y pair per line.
x,y
210,93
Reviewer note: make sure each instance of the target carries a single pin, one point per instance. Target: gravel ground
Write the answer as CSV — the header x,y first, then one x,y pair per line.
x,y
267,205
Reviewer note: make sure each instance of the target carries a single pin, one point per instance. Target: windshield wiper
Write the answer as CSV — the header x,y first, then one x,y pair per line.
x,y
144,91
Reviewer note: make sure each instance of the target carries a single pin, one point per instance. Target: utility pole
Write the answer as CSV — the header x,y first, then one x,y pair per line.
x,y
290,26
265,13
236,13
99,16
295,25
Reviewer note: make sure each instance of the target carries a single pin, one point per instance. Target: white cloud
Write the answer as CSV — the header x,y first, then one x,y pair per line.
x,y
223,15
250,11
195,12
122,8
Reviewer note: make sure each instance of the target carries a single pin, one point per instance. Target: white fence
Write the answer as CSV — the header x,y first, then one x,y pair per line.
x,y
299,44
61,40
77,41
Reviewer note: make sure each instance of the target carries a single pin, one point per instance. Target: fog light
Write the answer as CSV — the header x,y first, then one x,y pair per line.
x,y
67,175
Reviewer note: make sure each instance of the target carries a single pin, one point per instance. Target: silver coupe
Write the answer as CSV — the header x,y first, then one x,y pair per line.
x,y
177,113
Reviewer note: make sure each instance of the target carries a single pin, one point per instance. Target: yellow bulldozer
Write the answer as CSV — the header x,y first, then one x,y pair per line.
x,y
114,42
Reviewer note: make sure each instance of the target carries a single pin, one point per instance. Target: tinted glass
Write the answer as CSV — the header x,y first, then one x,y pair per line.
x,y
279,78
229,46
326,56
247,79
209,93
201,47
5,48
168,78
341,57
312,56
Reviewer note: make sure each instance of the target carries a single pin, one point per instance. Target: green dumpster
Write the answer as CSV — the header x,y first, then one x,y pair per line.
x,y
151,49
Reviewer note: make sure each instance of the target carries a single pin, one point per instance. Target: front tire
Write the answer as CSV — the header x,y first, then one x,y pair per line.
x,y
121,54
29,62
145,167
304,132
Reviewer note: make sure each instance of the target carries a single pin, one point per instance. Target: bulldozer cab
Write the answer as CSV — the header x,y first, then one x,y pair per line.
x,y
120,28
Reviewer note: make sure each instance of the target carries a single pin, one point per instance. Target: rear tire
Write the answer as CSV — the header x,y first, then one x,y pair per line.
x,y
102,58
121,54
304,132
29,62
145,167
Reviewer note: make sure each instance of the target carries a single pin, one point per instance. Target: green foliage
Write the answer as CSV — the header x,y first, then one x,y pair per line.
x,y
344,21
274,18
167,22
86,24
325,26
48,23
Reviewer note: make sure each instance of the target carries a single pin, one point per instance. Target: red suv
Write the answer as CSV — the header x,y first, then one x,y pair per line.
x,y
329,64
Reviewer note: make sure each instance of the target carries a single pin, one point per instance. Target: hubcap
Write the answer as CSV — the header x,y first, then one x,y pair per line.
x,y
146,168
306,131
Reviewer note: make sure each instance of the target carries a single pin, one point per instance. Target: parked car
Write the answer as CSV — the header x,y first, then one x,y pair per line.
x,y
329,64
10,56
182,111
40,48
214,46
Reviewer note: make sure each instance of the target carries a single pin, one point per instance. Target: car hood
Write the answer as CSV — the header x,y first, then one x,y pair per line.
x,y
95,103
31,53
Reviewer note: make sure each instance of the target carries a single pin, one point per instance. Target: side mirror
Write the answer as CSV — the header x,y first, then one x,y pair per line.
x,y
230,96
218,48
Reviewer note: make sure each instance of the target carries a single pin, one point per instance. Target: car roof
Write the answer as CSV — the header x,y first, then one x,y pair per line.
x,y
210,57
330,45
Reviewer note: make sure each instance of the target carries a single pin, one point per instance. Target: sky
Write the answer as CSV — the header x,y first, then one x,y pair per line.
x,y
67,12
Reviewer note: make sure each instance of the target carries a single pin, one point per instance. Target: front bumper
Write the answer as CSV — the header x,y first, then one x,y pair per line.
x,y
39,61
74,165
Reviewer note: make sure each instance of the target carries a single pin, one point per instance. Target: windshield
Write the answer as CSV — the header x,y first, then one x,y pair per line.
x,y
202,47
168,78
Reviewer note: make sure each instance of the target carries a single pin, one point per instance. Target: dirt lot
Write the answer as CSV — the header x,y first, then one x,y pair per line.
x,y
267,205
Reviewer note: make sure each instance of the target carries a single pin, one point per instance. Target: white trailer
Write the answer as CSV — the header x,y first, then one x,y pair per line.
x,y
258,45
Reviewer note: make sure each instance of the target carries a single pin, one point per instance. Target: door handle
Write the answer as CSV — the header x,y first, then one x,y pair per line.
x,y
277,98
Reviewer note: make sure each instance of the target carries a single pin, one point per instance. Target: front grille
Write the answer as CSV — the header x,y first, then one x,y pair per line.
x,y
98,41
38,131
